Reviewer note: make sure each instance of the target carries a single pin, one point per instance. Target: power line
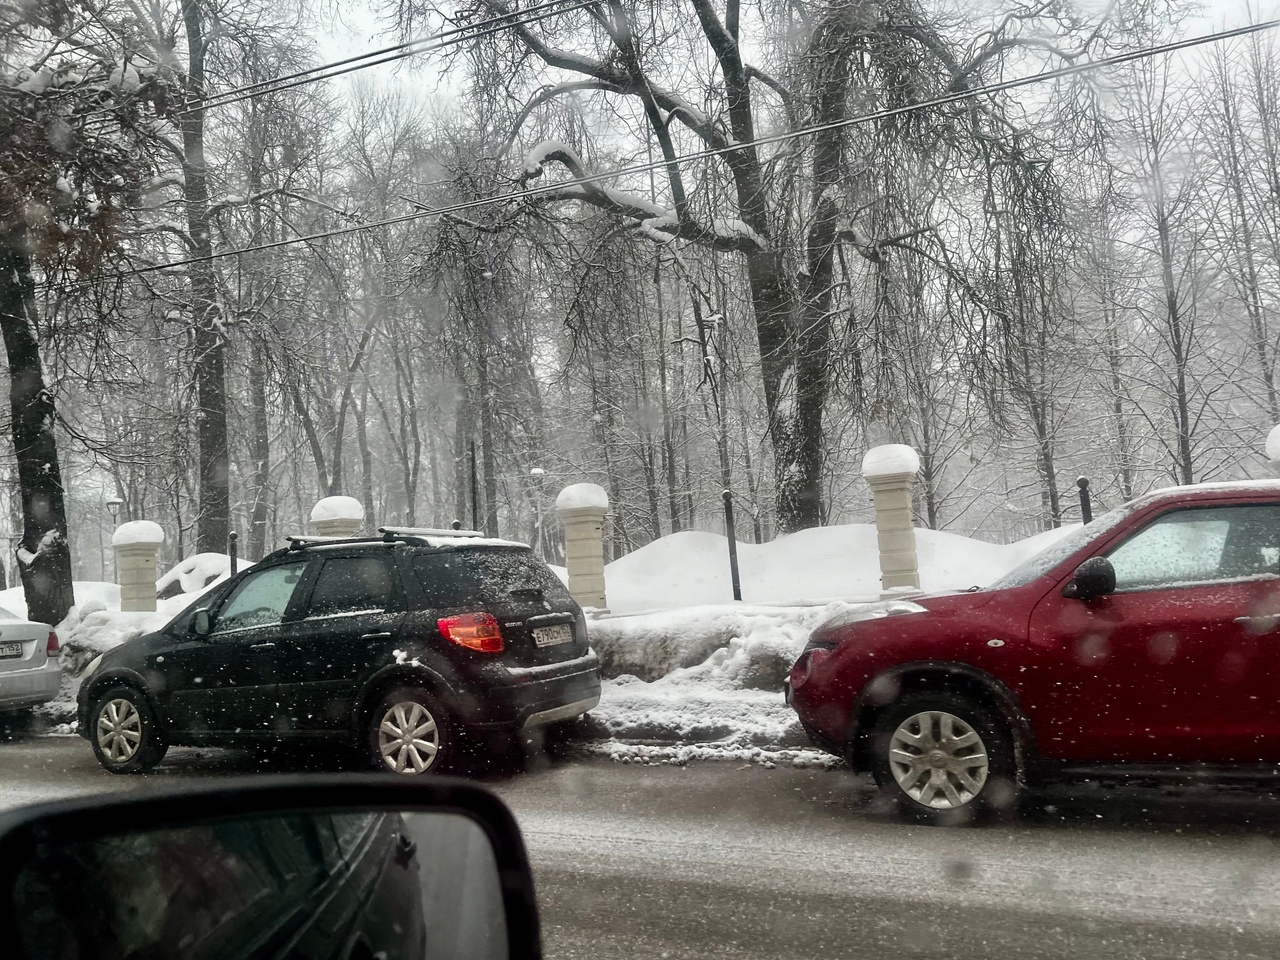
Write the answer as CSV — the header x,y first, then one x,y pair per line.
x,y
384,50
1059,73
402,51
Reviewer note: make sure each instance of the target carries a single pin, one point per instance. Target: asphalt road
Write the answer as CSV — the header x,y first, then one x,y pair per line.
x,y
722,860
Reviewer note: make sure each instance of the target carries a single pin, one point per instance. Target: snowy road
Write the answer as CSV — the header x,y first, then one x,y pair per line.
x,y
727,861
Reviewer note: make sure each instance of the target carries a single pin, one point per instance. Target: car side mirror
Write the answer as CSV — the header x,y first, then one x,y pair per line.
x,y
241,868
202,623
1096,577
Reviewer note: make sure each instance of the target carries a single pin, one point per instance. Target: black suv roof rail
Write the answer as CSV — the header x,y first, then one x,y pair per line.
x,y
427,532
301,543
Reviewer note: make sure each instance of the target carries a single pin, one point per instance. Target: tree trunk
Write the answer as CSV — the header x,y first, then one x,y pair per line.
x,y
260,443
44,556
210,339
366,455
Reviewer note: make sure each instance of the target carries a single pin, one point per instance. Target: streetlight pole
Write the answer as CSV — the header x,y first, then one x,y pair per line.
x,y
113,505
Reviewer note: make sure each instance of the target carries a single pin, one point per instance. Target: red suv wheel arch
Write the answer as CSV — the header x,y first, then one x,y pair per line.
x,y
958,678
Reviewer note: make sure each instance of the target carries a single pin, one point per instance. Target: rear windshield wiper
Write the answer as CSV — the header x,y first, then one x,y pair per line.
x,y
525,591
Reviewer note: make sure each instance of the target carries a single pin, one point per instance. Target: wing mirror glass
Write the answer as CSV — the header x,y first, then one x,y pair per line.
x,y
202,623
408,879
1096,577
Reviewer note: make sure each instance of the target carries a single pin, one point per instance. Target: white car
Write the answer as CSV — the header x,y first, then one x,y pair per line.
x,y
29,663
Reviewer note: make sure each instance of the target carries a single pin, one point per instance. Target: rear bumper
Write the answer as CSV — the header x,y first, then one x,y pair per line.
x,y
535,696
30,688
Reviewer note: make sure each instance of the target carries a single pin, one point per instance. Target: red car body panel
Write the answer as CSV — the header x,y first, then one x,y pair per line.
x,y
1171,675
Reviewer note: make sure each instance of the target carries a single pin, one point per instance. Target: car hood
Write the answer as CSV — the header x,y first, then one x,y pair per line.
x,y
937,604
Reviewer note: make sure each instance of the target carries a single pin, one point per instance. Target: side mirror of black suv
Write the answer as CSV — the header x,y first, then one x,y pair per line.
x,y
202,623
1096,577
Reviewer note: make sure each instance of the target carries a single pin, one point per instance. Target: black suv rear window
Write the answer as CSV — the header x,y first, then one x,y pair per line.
x,y
484,575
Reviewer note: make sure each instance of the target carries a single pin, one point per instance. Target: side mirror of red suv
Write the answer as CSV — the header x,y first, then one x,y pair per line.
x,y
1096,577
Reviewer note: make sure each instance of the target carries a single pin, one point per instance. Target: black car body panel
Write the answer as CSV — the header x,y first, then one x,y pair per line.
x,y
297,651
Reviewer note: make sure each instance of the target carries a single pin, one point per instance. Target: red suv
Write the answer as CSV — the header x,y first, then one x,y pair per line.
x,y
1146,642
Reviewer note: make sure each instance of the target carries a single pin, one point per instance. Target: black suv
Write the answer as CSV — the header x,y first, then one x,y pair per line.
x,y
396,644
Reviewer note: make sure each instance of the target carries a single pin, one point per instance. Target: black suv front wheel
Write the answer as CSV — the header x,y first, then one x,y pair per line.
x,y
409,733
945,759
123,731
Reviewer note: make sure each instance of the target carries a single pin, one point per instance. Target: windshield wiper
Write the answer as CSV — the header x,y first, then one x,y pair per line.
x,y
533,592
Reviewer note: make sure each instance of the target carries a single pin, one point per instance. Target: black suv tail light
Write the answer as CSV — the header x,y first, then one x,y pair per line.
x,y
476,631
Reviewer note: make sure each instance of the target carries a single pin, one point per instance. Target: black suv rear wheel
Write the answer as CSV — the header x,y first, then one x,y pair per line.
x,y
123,731
409,733
944,759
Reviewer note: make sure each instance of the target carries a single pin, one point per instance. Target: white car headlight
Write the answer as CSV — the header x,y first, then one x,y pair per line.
x,y
93,665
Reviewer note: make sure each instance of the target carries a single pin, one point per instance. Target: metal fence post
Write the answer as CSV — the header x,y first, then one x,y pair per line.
x,y
1086,508
733,544
232,537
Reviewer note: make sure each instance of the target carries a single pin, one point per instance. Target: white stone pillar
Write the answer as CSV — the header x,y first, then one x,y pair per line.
x,y
1273,450
136,544
891,470
338,517
582,507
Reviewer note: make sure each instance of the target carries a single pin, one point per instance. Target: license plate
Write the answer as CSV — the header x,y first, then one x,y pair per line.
x,y
550,636
10,649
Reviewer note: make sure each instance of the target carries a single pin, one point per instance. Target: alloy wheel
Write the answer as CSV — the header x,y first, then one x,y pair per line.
x,y
408,738
119,730
938,760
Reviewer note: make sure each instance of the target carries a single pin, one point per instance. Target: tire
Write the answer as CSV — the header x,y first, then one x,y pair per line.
x,y
945,760
124,732
409,733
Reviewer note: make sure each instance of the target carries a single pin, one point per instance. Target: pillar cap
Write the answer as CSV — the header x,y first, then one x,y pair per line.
x,y
338,508
1273,443
579,496
890,459
137,531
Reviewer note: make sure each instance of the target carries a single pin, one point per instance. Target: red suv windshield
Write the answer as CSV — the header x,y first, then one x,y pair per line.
x,y
1041,563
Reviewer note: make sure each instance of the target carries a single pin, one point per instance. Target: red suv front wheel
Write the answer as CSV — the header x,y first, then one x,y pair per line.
x,y
944,759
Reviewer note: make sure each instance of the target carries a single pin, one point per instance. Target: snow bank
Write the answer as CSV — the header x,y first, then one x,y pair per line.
x,y
337,508
691,568
137,531
703,683
578,495
743,645
1273,443
197,573
890,459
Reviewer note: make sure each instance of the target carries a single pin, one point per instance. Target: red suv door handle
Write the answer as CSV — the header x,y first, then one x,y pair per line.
x,y
376,636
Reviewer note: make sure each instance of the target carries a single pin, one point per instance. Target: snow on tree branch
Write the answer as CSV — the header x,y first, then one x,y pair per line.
x,y
656,222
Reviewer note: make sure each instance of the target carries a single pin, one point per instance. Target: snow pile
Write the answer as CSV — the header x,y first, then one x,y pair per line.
x,y
744,646
137,531
704,683
197,573
691,568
